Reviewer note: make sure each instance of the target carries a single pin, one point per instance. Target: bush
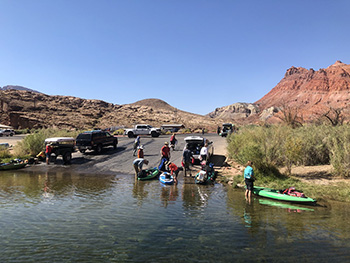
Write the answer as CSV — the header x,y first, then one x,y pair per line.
x,y
282,145
33,143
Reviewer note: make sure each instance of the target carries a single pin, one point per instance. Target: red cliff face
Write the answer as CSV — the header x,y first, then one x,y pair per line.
x,y
312,92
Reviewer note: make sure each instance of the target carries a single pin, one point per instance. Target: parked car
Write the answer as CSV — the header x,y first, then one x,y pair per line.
x,y
95,140
62,146
227,129
7,132
195,143
142,129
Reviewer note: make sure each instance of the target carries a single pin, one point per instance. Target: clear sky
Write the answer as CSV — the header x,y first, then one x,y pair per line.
x,y
196,55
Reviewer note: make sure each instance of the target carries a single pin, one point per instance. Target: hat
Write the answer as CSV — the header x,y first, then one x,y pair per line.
x,y
140,147
166,143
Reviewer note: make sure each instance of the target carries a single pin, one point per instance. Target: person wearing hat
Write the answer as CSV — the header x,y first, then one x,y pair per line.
x,y
138,163
140,152
165,151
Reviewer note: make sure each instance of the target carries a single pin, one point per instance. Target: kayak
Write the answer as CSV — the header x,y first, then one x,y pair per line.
x,y
11,166
275,194
283,205
166,178
149,174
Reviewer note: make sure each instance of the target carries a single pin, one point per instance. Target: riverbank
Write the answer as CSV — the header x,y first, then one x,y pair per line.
x,y
315,181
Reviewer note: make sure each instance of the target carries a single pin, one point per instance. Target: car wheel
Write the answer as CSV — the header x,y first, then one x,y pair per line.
x,y
67,157
154,134
11,134
130,134
115,145
99,148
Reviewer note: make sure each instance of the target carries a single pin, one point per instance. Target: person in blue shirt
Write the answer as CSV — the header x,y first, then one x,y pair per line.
x,y
249,180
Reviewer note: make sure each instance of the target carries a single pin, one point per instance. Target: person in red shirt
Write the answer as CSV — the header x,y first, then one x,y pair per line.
x,y
174,170
165,151
48,150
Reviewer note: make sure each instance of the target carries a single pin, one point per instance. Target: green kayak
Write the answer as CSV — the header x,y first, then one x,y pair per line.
x,y
275,194
148,174
283,205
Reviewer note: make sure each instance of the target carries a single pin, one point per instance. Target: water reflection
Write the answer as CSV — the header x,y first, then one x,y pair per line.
x,y
64,217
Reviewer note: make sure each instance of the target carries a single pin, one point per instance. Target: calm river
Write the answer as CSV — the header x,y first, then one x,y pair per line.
x,y
63,217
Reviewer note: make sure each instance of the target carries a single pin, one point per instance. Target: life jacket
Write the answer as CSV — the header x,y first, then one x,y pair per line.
x,y
293,192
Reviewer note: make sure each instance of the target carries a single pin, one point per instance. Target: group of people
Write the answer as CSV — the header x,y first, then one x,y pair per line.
x,y
167,165
165,153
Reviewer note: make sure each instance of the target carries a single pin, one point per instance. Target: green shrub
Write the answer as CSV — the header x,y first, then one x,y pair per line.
x,y
282,145
4,154
33,143
339,148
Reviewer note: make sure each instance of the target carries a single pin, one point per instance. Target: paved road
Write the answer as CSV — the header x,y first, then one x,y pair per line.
x,y
119,161
12,140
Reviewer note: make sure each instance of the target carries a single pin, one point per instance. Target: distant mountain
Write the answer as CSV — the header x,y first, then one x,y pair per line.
x,y
311,92
23,109
235,112
14,87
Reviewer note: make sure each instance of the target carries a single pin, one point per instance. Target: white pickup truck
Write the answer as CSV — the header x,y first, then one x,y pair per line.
x,y
142,129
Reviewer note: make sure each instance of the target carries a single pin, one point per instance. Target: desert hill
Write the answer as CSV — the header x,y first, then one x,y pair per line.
x,y
26,109
311,92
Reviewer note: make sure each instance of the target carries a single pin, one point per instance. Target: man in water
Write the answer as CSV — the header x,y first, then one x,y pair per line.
x,y
138,163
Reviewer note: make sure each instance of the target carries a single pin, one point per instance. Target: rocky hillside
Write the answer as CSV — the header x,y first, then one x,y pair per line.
x,y
312,92
26,109
235,112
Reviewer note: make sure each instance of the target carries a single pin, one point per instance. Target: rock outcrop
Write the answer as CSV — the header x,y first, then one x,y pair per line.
x,y
26,109
234,112
311,92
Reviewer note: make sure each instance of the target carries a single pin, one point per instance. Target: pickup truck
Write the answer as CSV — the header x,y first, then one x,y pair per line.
x,y
142,129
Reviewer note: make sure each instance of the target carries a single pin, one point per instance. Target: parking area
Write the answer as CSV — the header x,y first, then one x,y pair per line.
x,y
119,161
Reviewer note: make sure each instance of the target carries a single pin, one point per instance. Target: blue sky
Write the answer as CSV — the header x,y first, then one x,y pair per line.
x,y
196,55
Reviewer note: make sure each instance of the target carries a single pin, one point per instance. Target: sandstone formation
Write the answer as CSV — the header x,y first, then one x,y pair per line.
x,y
234,112
311,92
26,109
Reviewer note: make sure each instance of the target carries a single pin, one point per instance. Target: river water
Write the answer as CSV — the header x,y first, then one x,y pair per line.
x,y
64,217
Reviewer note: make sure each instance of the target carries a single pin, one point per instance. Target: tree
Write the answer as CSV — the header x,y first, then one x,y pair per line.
x,y
290,116
335,116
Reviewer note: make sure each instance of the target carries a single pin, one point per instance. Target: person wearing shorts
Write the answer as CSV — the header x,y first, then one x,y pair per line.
x,y
249,180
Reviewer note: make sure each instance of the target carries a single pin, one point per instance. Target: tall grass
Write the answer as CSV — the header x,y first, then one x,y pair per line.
x,y
281,145
33,143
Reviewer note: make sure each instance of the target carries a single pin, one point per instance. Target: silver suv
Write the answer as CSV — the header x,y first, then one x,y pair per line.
x,y
7,132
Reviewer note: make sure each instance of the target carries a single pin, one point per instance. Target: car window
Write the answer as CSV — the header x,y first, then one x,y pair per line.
x,y
84,136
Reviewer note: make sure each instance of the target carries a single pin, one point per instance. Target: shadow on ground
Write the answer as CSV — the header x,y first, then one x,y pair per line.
x,y
218,160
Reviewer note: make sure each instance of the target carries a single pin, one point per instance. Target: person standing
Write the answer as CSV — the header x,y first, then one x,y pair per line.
x,y
48,150
173,141
137,143
140,152
249,180
187,160
138,163
218,130
204,152
165,151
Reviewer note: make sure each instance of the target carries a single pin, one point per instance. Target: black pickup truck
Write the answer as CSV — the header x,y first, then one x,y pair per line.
x,y
95,140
